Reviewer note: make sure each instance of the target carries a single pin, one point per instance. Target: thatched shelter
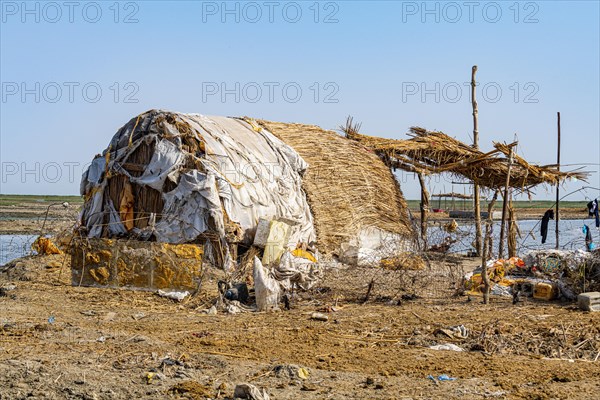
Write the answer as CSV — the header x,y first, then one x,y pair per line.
x,y
434,152
188,178
431,152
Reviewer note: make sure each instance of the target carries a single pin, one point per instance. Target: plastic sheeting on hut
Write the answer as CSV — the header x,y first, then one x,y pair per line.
x,y
174,177
187,178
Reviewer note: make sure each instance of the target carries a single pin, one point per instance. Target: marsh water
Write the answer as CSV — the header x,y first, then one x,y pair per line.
x,y
571,236
15,246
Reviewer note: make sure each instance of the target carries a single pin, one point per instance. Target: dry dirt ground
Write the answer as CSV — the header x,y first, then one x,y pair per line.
x,y
64,342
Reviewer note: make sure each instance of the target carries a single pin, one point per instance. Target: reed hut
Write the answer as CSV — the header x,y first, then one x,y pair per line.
x,y
187,178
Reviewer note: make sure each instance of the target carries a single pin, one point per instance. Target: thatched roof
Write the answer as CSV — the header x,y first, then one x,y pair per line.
x,y
435,152
347,186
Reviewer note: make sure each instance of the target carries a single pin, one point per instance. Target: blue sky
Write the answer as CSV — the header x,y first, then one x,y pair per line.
x,y
73,74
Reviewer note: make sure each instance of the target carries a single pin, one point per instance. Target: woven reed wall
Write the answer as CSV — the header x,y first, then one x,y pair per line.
x,y
348,187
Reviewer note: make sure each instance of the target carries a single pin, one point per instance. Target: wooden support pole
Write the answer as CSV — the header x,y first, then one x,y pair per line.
x,y
424,206
513,231
476,205
557,216
505,205
487,250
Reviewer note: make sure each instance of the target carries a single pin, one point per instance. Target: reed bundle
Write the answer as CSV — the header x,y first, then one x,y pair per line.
x,y
347,185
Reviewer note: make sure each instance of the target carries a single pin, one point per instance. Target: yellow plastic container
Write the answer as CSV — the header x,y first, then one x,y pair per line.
x,y
544,291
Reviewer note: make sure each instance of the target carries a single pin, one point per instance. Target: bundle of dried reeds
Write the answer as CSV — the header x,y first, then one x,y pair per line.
x,y
347,185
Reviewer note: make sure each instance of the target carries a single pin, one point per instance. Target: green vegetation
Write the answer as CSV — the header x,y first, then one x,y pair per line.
x,y
550,204
13,199
536,204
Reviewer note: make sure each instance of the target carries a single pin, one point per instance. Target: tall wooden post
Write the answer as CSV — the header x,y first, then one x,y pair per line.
x,y
476,205
487,250
424,206
505,205
557,217
513,231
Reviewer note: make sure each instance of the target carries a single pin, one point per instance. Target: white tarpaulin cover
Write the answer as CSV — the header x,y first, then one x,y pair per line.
x,y
244,171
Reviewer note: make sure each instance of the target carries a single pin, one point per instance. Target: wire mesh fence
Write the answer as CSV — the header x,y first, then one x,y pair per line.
x,y
438,276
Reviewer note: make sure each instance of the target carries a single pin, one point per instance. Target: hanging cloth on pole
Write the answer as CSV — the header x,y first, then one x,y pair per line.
x,y
593,211
544,231
589,244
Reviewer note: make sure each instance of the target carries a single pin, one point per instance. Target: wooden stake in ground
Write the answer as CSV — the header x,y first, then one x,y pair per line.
x,y
488,242
513,231
369,290
487,250
505,203
557,216
477,209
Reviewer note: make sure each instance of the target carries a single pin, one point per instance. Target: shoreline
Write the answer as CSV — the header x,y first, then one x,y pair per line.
x,y
27,217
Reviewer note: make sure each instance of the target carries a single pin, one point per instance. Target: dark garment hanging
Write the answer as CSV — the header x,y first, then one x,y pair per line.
x,y
544,231
588,237
594,212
